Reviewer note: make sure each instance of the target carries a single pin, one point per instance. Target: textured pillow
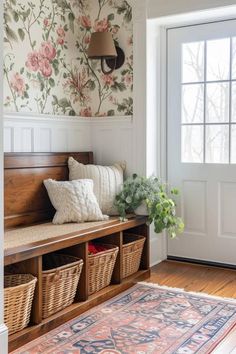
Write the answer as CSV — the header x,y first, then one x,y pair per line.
x,y
74,201
107,182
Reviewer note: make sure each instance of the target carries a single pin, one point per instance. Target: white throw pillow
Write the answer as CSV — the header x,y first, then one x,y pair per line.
x,y
107,182
74,201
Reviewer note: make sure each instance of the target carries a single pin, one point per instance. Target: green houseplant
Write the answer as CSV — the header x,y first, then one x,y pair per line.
x,y
160,207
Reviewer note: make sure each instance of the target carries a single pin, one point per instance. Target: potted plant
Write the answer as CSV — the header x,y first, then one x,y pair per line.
x,y
148,196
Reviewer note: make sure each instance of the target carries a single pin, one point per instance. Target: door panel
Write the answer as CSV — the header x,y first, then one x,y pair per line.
x,y
201,138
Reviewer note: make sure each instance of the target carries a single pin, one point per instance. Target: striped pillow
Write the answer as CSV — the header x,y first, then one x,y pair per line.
x,y
107,181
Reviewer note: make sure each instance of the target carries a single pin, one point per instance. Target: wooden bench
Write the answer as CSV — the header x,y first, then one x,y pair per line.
x,y
29,235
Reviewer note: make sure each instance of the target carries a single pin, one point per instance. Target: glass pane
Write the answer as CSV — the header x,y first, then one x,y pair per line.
x,y
233,144
217,102
233,102
193,62
234,58
192,143
218,59
193,103
217,144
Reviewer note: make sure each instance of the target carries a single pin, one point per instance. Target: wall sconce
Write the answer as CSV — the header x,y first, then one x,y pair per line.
x,y
102,47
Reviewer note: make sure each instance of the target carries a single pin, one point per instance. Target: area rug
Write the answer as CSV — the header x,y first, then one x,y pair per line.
x,y
146,319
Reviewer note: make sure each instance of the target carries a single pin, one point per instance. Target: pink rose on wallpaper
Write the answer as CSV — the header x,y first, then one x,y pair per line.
x,y
85,21
102,26
45,67
87,39
115,29
47,50
108,79
17,83
130,41
46,22
128,79
32,62
60,41
86,112
61,31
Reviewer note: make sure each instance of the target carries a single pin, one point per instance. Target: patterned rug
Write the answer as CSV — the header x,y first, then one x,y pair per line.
x,y
146,319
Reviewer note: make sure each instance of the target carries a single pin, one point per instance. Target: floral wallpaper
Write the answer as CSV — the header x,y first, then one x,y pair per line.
x,y
46,68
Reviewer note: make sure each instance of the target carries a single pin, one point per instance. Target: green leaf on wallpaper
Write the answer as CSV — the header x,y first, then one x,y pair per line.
x,y
7,17
124,72
5,40
63,102
128,16
22,70
15,16
118,86
34,44
55,100
111,17
51,82
111,112
27,13
11,34
21,33
55,65
71,18
13,2
126,10
72,112
91,85
26,94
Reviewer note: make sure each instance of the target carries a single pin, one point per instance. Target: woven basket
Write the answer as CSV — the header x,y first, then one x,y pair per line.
x,y
61,275
132,252
18,297
100,268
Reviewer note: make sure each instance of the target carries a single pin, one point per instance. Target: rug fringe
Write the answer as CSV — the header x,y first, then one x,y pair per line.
x,y
155,285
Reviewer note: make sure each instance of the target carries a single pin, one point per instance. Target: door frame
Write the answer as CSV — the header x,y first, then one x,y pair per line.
x,y
3,328
159,44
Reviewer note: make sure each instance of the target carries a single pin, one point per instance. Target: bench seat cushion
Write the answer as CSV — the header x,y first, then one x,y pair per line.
x,y
41,232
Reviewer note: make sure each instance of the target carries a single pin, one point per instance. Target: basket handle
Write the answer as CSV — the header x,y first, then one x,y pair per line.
x,y
56,277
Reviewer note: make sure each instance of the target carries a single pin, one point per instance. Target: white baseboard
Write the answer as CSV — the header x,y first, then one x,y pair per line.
x,y
156,262
3,339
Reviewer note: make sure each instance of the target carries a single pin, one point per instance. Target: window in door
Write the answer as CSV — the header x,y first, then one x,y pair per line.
x,y
208,101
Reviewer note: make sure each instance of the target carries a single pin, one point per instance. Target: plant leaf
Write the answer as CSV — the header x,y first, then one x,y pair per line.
x,y
11,34
21,33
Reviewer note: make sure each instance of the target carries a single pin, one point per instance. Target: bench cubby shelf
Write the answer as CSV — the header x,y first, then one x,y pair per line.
x,y
27,258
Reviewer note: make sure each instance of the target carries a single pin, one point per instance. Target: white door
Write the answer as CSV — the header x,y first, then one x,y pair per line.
x,y
201,138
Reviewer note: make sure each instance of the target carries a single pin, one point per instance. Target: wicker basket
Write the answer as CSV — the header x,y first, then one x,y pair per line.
x,y
18,297
61,275
132,252
100,268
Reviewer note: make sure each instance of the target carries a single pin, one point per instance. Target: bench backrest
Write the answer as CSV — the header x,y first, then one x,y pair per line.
x,y
25,197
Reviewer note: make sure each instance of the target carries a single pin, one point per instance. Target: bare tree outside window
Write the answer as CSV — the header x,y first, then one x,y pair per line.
x,y
209,101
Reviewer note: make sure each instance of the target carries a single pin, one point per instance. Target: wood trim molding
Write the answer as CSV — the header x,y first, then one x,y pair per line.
x,y
42,118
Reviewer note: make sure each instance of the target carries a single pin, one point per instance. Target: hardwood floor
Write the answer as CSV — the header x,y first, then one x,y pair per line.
x,y
192,277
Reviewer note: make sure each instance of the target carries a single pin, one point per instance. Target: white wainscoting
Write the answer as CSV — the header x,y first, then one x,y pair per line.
x,y
25,133
111,139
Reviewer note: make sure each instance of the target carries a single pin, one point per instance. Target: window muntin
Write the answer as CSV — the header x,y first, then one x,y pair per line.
x,y
208,104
